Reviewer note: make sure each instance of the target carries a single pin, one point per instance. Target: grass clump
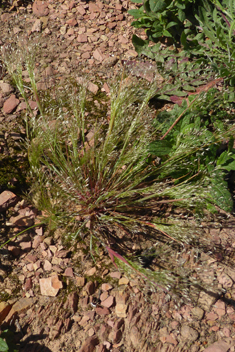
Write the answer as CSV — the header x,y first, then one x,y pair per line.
x,y
97,177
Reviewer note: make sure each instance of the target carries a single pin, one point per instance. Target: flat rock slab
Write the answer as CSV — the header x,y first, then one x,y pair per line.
x,y
7,199
219,346
50,286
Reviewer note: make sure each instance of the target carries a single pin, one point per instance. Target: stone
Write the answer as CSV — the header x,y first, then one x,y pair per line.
x,y
93,7
123,281
7,199
211,316
91,272
102,311
91,332
115,336
28,284
219,308
120,310
6,89
37,26
21,221
80,281
82,38
21,305
47,265
122,297
189,333
56,329
4,310
206,301
40,8
83,302
225,280
134,336
37,240
104,295
50,286
90,344
72,22
68,272
115,275
93,88
83,321
106,287
169,338
25,245
72,302
219,346
98,55
110,61
10,104
108,302
226,331
80,9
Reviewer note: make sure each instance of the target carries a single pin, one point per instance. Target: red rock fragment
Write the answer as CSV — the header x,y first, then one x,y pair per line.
x,y
80,281
93,7
50,286
68,272
4,310
219,308
21,305
40,8
21,221
28,284
81,10
37,240
72,302
102,311
71,5
115,275
115,336
112,25
72,22
98,55
60,254
93,88
47,265
219,346
25,245
82,38
90,344
108,302
7,199
10,104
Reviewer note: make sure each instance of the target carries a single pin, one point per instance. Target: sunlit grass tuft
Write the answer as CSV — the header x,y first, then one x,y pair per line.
x,y
94,176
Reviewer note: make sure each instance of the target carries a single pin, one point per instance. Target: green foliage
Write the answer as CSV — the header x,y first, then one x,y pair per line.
x,y
172,19
204,29
191,150
217,21
6,342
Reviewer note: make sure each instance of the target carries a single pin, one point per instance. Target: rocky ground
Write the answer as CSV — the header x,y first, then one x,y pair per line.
x,y
56,298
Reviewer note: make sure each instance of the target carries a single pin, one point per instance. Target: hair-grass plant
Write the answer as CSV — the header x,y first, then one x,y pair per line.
x,y
95,177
